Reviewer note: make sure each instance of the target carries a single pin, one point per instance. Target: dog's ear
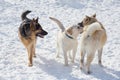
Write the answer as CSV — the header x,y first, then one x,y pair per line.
x,y
37,20
32,24
87,18
94,15
69,30
33,19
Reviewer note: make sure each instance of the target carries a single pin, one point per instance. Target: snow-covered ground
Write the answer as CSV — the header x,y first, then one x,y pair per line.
x,y
13,56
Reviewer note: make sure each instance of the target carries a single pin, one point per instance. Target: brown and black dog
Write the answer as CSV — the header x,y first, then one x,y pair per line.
x,y
29,30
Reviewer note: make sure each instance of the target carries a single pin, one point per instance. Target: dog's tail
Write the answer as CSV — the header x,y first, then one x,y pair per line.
x,y
59,23
93,28
24,14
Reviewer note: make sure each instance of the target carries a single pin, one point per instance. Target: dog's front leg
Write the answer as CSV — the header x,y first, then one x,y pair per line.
x,y
74,54
34,45
90,57
82,54
65,57
100,56
69,53
30,48
81,59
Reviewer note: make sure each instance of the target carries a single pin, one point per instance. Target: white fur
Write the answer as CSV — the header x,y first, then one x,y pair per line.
x,y
90,42
92,28
66,44
87,40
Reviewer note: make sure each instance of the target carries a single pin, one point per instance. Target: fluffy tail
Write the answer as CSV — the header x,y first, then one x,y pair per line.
x,y
59,23
24,14
93,27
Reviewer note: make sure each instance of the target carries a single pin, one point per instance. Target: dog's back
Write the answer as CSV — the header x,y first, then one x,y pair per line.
x,y
92,28
93,39
94,36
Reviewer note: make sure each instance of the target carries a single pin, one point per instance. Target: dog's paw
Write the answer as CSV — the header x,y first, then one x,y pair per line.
x,y
30,65
34,56
66,65
101,65
89,72
72,61
81,68
57,56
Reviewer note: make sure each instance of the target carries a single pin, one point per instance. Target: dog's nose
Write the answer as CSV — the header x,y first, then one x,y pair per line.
x,y
78,27
46,33
81,24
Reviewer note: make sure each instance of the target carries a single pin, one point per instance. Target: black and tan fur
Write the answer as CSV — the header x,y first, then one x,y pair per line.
x,y
29,30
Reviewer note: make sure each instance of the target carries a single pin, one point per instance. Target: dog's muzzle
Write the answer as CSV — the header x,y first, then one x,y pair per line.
x,y
80,28
81,24
42,34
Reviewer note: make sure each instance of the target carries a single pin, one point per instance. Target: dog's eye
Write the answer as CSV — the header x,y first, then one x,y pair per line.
x,y
78,27
86,19
38,26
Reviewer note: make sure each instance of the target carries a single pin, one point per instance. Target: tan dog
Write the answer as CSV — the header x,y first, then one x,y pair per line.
x,y
67,40
28,32
93,39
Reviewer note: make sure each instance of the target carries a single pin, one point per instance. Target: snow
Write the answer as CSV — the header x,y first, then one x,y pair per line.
x,y
13,55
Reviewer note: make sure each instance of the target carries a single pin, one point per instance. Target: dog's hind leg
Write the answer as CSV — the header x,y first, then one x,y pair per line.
x,y
30,55
65,57
58,50
82,54
100,56
90,57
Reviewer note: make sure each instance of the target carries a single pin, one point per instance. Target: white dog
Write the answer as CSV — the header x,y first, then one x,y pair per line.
x,y
93,39
67,40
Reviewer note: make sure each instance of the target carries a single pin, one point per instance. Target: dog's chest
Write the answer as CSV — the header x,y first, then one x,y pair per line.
x,y
66,42
69,43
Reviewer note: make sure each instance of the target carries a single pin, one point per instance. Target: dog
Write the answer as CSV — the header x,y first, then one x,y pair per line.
x,y
93,39
67,40
28,32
